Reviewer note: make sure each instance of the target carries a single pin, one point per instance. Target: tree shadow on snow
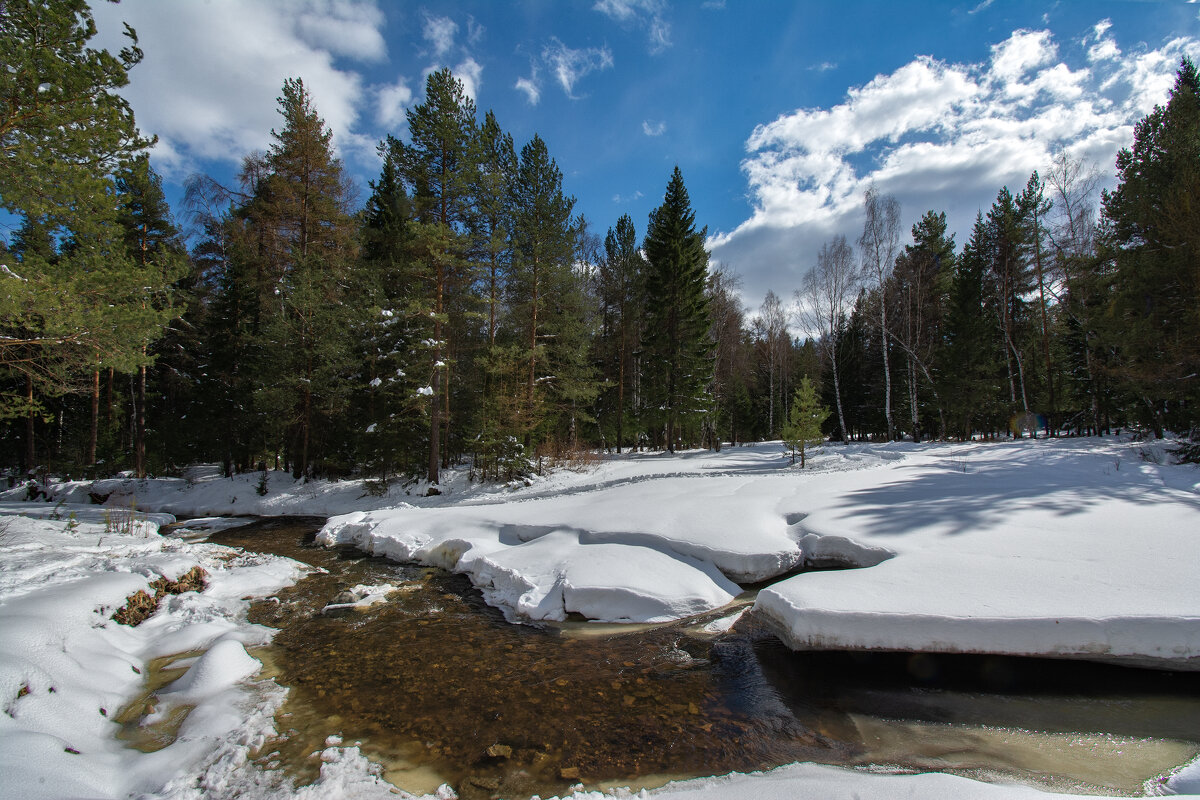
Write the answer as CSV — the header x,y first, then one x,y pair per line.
x,y
962,495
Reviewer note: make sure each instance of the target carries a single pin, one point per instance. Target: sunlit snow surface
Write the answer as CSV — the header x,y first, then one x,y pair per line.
x,y
1068,547
1063,548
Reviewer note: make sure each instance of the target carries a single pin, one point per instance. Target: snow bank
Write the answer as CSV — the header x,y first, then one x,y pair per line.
x,y
1068,548
819,782
1054,548
66,667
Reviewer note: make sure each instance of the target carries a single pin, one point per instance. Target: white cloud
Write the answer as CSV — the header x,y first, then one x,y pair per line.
x,y
470,73
440,33
212,71
654,128
936,135
530,86
649,14
570,65
391,103
475,31
1021,52
824,66
348,29
620,199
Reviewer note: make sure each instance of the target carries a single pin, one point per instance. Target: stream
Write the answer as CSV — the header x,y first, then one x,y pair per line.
x,y
436,687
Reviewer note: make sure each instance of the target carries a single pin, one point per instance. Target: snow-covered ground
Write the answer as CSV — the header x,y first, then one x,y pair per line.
x,y
1065,548
1073,548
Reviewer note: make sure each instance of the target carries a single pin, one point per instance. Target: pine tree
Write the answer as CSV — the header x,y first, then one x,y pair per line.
x,y
64,131
307,203
804,421
159,260
678,350
922,278
543,254
1149,237
439,166
621,294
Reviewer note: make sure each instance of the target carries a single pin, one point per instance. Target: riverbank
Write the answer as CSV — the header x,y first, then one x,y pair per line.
x,y
1013,535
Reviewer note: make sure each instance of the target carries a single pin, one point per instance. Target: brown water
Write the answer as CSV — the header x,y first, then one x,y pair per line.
x,y
438,687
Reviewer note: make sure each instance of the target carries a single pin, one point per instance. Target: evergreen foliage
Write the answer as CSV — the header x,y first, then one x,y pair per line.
x,y
804,420
1149,241
677,349
466,311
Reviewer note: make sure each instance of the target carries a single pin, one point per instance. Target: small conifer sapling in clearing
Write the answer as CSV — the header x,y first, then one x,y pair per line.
x,y
804,421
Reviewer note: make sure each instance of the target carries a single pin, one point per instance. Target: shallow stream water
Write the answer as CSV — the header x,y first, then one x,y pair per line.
x,y
438,687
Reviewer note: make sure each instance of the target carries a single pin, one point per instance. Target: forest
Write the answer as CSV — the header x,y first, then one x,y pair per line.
x,y
466,314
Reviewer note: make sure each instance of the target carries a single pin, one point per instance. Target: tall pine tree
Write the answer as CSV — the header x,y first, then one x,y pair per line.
x,y
1149,237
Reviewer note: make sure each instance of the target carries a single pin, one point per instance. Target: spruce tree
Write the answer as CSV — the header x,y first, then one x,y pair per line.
x,y
677,346
804,420
969,367
389,335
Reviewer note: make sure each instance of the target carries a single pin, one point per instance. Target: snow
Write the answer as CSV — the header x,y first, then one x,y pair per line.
x,y
66,667
1069,548
1028,548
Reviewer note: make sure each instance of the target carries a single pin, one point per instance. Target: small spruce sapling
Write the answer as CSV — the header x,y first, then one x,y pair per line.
x,y
804,420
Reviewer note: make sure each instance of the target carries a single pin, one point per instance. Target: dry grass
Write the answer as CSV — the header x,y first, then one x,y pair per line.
x,y
140,605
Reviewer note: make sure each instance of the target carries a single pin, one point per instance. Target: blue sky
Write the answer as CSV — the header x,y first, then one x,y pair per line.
x,y
780,114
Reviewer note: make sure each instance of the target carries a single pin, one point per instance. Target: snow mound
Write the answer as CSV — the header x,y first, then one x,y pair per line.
x,y
222,665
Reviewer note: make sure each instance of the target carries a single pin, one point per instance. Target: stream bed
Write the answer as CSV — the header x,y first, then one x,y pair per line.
x,y
437,687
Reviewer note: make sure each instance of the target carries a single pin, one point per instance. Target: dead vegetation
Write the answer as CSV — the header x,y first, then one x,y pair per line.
x,y
140,605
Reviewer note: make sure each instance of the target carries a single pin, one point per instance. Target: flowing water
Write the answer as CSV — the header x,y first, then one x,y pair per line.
x,y
438,687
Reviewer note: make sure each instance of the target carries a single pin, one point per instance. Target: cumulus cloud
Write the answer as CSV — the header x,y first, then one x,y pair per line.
x,y
391,103
440,33
569,65
212,72
648,14
470,73
937,135
654,128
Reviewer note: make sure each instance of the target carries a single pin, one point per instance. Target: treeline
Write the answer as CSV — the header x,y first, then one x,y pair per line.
x,y
467,313
1048,319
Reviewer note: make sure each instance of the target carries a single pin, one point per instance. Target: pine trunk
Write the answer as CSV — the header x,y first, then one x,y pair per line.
x,y
30,452
94,431
139,424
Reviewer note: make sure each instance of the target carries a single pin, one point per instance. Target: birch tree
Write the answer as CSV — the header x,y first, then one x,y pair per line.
x,y
879,243
824,301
